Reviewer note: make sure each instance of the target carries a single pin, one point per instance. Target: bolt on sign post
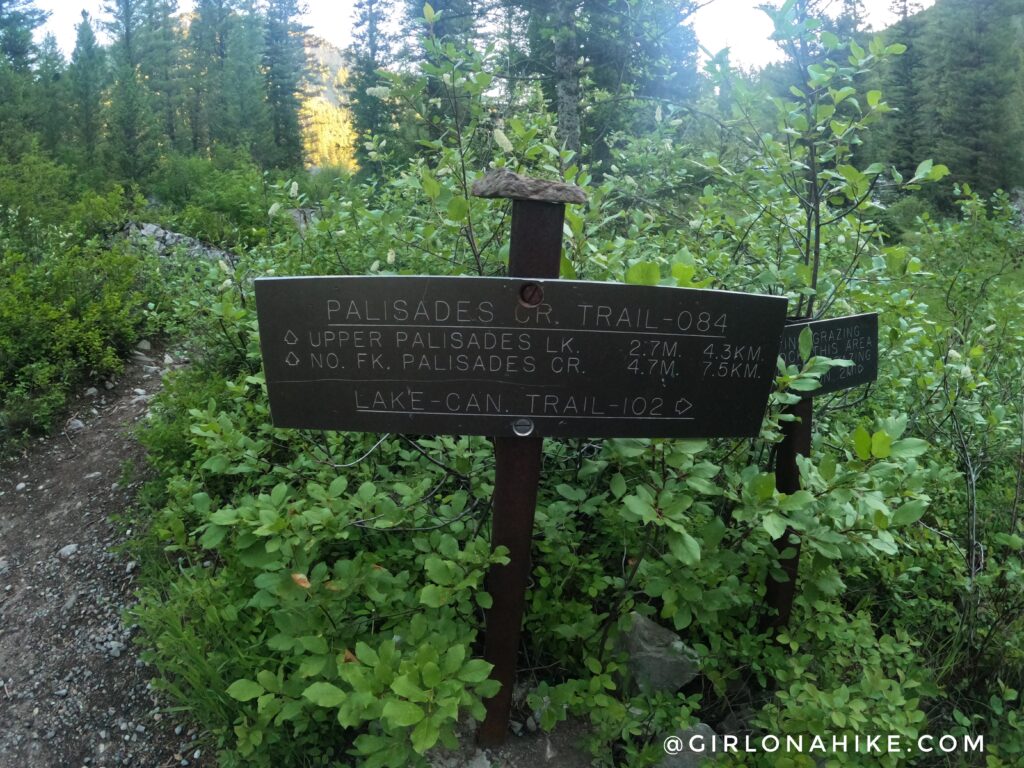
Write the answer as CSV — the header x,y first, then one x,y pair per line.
x,y
518,358
854,338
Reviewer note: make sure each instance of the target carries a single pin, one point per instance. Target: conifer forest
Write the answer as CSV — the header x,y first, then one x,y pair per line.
x,y
311,596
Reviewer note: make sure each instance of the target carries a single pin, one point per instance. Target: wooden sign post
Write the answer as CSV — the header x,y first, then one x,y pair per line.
x,y
518,358
535,250
854,338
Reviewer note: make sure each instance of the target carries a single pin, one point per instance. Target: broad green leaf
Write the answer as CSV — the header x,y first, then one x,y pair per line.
x,y
402,713
881,445
908,448
425,735
566,268
763,486
245,690
643,273
923,169
268,680
806,343
639,507
807,384
701,485
433,596
862,443
684,547
827,467
795,501
774,524
213,536
873,98
324,694
910,512
430,186
431,674
618,485
429,13
474,671
407,689
458,208
366,654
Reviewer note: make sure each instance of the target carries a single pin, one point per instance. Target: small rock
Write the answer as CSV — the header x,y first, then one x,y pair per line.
x,y
76,425
658,659
92,392
114,648
20,487
168,360
138,391
127,569
144,345
108,384
3,565
531,725
61,693
68,550
92,475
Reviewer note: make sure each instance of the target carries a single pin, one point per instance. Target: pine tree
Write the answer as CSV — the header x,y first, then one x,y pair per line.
x,y
18,20
246,117
969,74
51,96
901,134
132,143
372,50
284,61
161,67
208,50
87,76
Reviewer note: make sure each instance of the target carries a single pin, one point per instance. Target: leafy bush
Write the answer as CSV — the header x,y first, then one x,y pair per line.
x,y
69,312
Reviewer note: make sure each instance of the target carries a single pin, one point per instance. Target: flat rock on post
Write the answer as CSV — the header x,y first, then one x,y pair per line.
x,y
501,182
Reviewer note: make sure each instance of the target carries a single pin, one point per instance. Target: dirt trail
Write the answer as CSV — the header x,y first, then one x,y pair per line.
x,y
72,690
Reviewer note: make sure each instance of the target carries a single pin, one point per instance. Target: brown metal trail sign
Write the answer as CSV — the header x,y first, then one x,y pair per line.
x,y
519,358
512,356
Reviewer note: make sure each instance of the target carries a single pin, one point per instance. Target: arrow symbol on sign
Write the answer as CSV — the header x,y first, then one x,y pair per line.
x,y
292,359
290,337
682,406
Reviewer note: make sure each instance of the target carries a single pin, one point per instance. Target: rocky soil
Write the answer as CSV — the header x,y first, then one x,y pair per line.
x,y
73,691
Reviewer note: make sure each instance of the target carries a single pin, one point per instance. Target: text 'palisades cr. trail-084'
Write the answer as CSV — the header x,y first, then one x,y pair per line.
x,y
504,356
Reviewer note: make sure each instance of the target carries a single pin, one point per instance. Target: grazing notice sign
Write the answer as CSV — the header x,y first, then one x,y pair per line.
x,y
516,357
852,337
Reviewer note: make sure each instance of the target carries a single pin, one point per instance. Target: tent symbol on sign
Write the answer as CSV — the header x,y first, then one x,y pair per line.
x,y
292,359
290,337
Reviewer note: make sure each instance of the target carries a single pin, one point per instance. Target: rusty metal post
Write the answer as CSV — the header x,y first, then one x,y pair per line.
x,y
796,441
538,211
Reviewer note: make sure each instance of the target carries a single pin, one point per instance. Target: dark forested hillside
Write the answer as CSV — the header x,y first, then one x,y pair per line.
x,y
959,92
